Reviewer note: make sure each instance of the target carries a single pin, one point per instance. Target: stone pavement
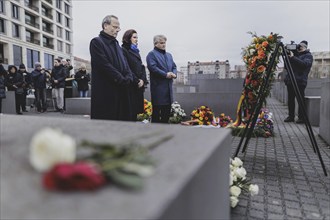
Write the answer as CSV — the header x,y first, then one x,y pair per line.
x,y
291,181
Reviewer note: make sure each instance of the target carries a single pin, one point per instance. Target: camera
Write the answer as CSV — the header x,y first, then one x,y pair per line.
x,y
292,46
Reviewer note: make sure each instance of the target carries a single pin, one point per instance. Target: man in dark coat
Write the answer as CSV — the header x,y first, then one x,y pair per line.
x,y
14,82
301,63
162,72
111,76
58,76
27,83
39,77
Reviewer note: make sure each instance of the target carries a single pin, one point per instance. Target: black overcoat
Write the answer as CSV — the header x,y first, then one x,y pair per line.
x,y
82,78
139,72
111,79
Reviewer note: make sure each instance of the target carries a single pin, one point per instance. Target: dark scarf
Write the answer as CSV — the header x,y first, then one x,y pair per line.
x,y
159,50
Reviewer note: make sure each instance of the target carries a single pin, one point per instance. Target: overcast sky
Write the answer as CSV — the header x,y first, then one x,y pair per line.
x,y
204,30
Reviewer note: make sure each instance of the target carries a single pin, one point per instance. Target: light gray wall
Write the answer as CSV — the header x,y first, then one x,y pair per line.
x,y
325,112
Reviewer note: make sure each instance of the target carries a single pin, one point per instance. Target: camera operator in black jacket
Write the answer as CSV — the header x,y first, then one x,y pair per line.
x,y
301,62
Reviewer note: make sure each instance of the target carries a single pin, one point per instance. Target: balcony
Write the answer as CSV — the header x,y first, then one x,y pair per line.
x,y
33,24
48,30
48,15
49,1
51,46
34,8
32,40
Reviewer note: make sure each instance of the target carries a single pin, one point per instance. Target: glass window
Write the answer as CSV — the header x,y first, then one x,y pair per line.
x,y
68,48
32,57
15,11
2,26
58,17
67,35
59,46
67,9
67,22
2,6
16,30
59,31
48,61
17,55
59,4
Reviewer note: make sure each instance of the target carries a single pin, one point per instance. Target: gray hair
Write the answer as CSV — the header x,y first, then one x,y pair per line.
x,y
159,37
107,20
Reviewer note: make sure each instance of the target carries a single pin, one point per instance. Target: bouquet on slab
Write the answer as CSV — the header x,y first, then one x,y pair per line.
x,y
146,115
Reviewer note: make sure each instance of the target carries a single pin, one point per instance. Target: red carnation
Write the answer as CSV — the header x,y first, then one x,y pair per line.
x,y
78,176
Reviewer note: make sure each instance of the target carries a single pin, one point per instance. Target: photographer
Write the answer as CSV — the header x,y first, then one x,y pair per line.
x,y
301,62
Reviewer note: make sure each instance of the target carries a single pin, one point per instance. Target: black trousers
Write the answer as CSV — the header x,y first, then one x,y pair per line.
x,y
0,105
19,101
291,100
40,95
160,113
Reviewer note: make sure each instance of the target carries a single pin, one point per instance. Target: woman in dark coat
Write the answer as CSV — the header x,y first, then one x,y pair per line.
x,y
15,82
111,76
132,54
82,78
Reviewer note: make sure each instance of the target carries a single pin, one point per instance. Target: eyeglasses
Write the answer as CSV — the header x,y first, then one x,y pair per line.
x,y
115,27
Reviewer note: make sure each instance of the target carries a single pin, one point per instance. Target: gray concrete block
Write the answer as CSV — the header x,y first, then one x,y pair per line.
x,y
8,104
325,112
80,106
191,179
313,109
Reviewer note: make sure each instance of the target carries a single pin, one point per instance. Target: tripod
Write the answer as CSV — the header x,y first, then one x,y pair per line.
x,y
261,98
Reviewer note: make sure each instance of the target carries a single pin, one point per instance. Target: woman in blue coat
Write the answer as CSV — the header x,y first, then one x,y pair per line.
x,y
132,54
162,72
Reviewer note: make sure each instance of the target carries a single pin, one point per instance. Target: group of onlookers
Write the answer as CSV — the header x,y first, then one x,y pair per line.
x,y
39,80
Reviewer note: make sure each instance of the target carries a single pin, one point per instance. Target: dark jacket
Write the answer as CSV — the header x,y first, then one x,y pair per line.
x,y
82,78
139,72
159,64
27,78
111,78
39,79
301,65
14,79
58,73
3,74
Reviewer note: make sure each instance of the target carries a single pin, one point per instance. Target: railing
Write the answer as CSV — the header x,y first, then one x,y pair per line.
x,y
48,30
51,46
48,15
34,8
49,1
33,24
32,40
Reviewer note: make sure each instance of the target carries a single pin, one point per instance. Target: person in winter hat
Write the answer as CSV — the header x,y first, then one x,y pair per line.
x,y
301,62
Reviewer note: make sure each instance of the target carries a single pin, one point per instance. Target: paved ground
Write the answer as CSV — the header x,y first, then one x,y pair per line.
x,y
291,181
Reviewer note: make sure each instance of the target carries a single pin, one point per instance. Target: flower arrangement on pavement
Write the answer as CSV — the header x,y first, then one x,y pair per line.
x,y
177,113
238,182
146,115
224,120
54,154
202,116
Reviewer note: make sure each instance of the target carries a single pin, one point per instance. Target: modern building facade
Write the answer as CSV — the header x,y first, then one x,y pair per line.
x,y
321,65
218,68
35,31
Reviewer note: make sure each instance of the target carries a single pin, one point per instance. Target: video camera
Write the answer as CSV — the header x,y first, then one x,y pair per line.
x,y
292,46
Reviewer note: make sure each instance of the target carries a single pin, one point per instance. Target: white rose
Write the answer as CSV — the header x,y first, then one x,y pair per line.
x,y
252,51
233,201
254,189
240,172
237,162
50,146
174,114
235,191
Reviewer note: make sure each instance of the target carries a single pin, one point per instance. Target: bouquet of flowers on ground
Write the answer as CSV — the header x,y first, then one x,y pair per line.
x,y
146,115
264,125
202,116
224,120
177,113
238,182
